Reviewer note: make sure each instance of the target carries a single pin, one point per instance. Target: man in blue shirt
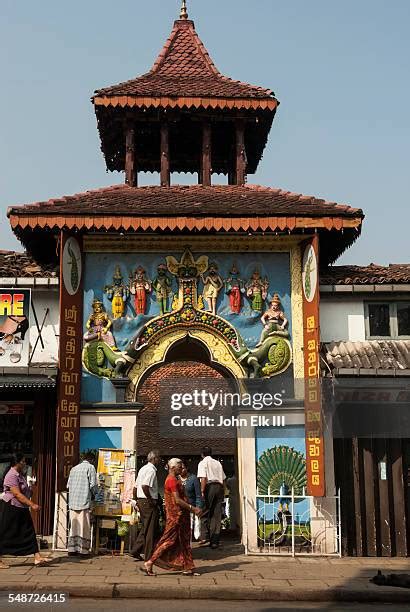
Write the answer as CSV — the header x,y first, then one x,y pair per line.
x,y
192,488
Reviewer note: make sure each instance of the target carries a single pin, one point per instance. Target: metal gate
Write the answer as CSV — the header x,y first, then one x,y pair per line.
x,y
292,525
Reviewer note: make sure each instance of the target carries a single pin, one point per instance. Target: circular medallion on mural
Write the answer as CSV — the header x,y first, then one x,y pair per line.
x,y
72,267
309,273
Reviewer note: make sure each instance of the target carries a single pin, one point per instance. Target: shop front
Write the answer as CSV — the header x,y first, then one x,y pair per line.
x,y
28,425
28,369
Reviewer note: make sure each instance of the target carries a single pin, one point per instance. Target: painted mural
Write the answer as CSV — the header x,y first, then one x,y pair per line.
x,y
281,470
134,300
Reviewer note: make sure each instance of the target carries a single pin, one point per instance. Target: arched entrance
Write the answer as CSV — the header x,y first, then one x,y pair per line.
x,y
186,359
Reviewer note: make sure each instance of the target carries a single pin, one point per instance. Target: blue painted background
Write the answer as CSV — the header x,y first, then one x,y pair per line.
x,y
100,437
290,435
99,270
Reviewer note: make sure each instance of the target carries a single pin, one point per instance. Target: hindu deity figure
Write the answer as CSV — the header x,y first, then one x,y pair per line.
x,y
213,283
117,293
162,285
234,287
140,286
257,291
273,319
99,325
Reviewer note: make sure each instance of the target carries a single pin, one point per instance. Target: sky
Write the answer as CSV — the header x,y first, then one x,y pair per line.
x,y
339,69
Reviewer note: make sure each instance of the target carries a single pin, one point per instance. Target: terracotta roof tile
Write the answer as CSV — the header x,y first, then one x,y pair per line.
x,y
366,275
193,200
21,265
190,209
184,68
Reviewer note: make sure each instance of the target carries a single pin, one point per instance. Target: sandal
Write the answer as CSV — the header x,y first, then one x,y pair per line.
x,y
190,573
4,565
147,571
43,561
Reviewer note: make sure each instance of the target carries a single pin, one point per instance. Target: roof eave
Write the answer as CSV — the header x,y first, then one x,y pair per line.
x,y
268,103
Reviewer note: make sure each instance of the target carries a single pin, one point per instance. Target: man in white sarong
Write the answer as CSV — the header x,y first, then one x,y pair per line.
x,y
82,484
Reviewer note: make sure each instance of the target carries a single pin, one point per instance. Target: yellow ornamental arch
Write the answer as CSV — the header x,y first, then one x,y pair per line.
x,y
156,353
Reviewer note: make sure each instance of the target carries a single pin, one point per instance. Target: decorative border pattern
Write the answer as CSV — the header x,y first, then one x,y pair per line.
x,y
155,243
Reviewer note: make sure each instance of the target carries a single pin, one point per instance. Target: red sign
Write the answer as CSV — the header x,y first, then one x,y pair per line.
x,y
70,367
15,327
12,409
315,452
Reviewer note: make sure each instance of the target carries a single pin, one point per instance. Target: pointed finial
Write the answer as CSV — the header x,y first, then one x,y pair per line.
x,y
184,13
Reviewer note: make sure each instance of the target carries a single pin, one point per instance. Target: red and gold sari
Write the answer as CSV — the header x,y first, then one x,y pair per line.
x,y
173,550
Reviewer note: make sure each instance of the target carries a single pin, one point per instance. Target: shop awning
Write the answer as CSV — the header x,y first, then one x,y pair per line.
x,y
27,382
369,358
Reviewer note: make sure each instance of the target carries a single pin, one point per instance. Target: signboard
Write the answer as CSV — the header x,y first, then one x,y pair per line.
x,y
69,381
12,409
315,453
14,327
116,479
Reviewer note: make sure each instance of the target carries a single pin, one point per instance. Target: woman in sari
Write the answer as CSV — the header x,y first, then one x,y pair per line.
x,y
17,534
173,550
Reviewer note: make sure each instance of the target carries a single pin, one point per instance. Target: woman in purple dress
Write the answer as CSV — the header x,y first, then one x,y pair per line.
x,y
17,534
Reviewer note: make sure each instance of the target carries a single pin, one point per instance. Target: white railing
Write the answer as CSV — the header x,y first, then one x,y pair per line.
x,y
292,525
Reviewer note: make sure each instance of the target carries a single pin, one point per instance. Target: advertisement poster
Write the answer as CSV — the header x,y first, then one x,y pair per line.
x,y
116,478
14,327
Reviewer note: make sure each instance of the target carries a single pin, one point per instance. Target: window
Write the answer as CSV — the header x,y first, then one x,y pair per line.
x,y
403,319
379,320
387,319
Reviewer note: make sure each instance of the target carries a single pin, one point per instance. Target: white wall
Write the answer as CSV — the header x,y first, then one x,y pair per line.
x,y
342,319
41,300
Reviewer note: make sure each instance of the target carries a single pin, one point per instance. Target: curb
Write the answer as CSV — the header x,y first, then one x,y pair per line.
x,y
151,591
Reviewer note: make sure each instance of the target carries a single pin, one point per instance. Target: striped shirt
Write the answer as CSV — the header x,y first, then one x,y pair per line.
x,y
82,481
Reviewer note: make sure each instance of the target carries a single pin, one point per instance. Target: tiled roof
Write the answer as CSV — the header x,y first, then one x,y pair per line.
x,y
21,265
369,355
184,68
193,200
190,209
366,275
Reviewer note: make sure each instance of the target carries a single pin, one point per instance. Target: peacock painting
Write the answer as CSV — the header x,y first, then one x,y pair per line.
x,y
278,467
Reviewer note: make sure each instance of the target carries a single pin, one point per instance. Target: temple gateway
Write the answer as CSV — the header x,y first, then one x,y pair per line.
x,y
202,291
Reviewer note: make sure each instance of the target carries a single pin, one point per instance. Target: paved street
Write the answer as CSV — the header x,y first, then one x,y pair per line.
x,y
142,605
225,574
231,606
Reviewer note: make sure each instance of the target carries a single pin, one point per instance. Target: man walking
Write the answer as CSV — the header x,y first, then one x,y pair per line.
x,y
212,477
146,495
81,485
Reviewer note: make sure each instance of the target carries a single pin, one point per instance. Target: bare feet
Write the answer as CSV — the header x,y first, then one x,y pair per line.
x,y
147,567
